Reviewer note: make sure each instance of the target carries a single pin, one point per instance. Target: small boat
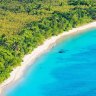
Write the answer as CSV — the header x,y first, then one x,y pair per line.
x,y
61,51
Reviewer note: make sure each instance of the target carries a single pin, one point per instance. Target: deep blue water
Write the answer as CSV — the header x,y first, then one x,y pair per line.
x,y
71,73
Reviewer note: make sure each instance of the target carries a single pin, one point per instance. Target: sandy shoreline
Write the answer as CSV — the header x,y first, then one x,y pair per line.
x,y
18,72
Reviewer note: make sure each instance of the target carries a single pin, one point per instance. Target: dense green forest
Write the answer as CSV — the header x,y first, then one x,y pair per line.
x,y
25,24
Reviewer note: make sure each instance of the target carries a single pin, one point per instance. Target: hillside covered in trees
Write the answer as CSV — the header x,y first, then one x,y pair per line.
x,y
25,24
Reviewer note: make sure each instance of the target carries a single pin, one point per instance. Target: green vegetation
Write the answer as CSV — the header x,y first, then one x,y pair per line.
x,y
25,24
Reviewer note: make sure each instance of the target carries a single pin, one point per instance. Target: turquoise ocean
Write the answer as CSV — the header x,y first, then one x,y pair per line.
x,y
68,69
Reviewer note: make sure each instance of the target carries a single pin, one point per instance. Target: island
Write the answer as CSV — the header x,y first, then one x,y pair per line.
x,y
29,27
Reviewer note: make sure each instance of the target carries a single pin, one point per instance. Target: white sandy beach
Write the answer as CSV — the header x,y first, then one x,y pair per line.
x,y
18,72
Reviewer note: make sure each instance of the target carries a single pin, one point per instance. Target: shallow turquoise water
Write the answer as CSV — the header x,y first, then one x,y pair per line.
x,y
71,73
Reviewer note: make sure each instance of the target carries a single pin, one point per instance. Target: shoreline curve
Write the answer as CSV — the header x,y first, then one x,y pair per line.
x,y
29,59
